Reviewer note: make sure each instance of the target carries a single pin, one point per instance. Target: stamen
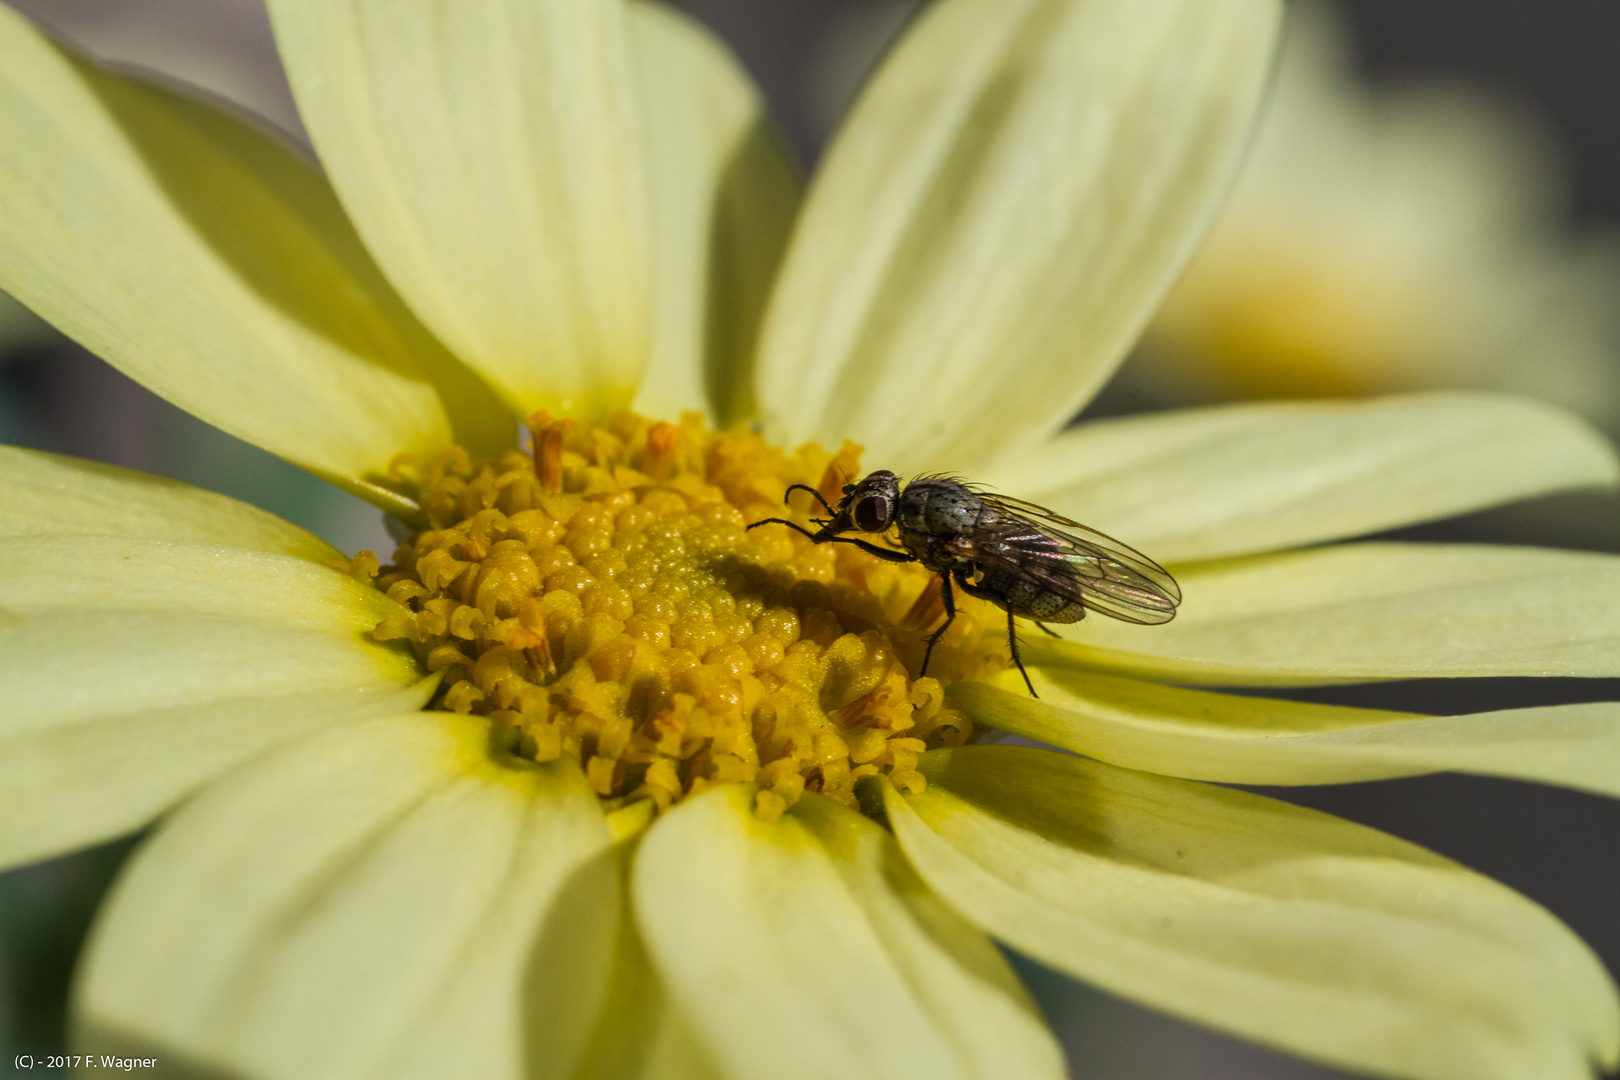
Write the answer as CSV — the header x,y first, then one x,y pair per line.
x,y
601,597
548,436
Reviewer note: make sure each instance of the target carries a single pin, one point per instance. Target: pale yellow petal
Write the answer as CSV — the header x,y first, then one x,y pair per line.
x,y
381,900
101,665
112,715
488,155
806,947
724,196
75,783
639,1033
47,494
45,575
208,262
1287,926
1211,483
1368,611
1244,740
998,218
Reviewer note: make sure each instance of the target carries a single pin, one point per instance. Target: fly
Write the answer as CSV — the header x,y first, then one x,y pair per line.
x,y
1023,558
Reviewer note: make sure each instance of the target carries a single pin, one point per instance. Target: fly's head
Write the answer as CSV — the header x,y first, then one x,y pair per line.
x,y
868,506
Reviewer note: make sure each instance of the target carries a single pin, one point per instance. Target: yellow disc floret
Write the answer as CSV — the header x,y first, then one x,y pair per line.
x,y
601,597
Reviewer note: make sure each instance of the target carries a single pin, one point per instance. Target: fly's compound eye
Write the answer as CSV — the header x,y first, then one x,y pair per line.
x,y
871,514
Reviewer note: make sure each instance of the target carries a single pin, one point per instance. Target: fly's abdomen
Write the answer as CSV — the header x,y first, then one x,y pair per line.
x,y
1027,599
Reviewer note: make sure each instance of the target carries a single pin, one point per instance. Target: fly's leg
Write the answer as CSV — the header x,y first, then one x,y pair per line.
x,y
888,554
1012,642
950,614
813,494
1049,630
794,525
1012,631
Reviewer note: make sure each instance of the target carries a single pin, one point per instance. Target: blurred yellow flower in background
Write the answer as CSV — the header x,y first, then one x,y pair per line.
x,y
591,781
1389,239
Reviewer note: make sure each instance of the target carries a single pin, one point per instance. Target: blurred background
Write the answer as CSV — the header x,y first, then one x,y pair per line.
x,y
1432,202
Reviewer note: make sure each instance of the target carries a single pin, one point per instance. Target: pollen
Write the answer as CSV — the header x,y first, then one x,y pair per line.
x,y
600,596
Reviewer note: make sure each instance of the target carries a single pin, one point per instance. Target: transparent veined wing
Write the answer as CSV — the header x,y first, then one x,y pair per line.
x,y
1077,562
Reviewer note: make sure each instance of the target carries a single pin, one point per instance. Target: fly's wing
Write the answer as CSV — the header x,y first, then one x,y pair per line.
x,y
1081,564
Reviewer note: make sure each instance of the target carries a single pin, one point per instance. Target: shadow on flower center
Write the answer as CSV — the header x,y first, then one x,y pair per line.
x,y
602,598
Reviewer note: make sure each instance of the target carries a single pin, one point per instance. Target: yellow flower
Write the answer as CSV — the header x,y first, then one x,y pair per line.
x,y
598,782
1388,239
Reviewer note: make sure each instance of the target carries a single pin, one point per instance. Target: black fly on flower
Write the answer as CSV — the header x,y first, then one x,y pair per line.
x,y
1025,559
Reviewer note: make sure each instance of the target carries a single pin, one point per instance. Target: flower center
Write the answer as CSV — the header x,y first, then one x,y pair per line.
x,y
601,597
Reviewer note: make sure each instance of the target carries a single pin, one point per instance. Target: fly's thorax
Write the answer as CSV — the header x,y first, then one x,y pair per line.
x,y
941,507
603,599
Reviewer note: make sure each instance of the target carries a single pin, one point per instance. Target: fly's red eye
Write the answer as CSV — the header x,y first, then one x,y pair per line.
x,y
872,515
